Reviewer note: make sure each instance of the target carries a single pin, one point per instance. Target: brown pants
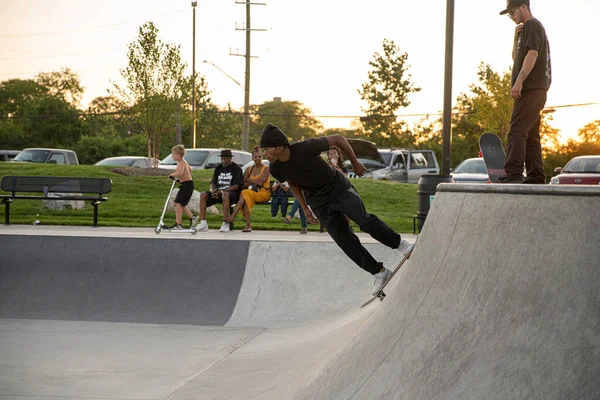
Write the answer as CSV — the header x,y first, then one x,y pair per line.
x,y
523,140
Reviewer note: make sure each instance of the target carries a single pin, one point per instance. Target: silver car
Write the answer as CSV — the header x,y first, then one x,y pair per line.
x,y
471,170
127,161
205,158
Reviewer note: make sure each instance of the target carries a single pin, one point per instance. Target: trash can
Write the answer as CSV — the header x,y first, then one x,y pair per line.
x,y
425,192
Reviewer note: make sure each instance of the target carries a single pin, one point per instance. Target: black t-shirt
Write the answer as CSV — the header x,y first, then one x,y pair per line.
x,y
224,177
533,37
319,182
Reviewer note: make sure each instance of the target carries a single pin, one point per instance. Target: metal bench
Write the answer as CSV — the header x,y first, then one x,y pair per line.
x,y
54,184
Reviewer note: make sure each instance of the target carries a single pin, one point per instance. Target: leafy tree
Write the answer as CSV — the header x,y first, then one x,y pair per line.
x,y
155,89
590,133
219,127
293,117
106,117
38,117
487,108
65,84
385,92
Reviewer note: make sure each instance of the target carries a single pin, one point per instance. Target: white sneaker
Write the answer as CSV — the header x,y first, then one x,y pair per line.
x,y
203,227
380,279
405,248
194,221
225,227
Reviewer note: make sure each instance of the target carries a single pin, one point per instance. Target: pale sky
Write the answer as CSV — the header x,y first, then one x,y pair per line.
x,y
313,51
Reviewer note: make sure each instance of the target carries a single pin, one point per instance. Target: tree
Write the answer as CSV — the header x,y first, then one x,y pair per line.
x,y
292,117
37,116
105,117
155,90
387,91
65,84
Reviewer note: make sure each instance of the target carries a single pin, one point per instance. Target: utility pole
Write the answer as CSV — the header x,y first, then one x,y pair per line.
x,y
194,4
247,55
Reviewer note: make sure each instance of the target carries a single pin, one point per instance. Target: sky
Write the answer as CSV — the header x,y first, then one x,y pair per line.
x,y
313,51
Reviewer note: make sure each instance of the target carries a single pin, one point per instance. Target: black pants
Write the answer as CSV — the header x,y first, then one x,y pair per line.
x,y
333,218
523,140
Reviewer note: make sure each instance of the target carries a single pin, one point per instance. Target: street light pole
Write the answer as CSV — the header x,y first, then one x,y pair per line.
x,y
194,4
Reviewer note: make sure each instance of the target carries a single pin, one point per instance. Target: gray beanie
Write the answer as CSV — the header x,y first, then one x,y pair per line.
x,y
272,136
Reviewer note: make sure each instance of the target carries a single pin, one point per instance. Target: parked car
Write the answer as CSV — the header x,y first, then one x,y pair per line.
x,y
205,158
583,170
8,155
47,156
471,170
251,163
127,161
401,165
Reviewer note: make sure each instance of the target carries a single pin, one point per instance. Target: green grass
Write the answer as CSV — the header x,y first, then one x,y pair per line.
x,y
138,201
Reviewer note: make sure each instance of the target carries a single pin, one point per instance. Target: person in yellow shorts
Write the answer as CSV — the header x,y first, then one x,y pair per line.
x,y
256,180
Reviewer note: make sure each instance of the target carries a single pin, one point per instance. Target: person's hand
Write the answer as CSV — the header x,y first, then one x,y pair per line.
x,y
515,92
310,218
518,29
358,168
215,193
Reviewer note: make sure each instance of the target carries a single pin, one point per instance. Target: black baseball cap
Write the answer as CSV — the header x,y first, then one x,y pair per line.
x,y
512,4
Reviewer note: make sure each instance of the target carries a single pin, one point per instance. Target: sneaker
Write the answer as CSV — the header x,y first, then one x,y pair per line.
x,y
303,231
225,227
380,280
508,179
194,221
405,248
203,227
176,227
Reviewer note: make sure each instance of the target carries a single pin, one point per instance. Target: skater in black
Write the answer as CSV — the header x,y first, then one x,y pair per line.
x,y
531,78
330,195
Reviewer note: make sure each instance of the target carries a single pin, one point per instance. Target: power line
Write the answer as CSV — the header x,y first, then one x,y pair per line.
x,y
20,35
63,55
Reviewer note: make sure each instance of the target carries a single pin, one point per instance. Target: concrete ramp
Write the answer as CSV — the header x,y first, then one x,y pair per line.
x,y
500,300
119,279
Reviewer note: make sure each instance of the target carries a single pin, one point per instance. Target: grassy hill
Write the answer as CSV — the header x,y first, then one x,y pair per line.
x,y
137,201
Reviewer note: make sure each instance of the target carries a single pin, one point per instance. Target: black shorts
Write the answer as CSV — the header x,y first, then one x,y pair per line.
x,y
234,197
186,189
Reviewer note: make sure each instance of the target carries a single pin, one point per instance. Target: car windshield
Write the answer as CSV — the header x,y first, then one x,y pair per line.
x,y
583,165
192,157
471,167
370,165
117,162
36,156
386,157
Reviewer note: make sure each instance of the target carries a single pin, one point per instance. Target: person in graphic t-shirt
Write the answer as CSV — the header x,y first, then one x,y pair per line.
x,y
330,195
225,187
531,79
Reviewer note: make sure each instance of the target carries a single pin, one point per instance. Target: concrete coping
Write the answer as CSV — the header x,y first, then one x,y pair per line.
x,y
541,190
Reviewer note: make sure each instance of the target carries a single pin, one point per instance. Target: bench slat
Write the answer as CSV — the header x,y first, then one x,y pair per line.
x,y
57,184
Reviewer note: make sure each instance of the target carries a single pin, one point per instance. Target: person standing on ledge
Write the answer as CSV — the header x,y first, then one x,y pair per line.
x,y
330,195
531,78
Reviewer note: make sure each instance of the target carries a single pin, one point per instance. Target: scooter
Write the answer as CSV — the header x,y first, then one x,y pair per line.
x,y
161,225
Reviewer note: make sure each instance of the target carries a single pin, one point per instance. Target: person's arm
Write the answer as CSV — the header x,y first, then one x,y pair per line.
x,y
237,181
518,30
178,171
300,196
342,143
528,64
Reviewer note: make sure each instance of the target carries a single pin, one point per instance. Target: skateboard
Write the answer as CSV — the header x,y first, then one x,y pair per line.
x,y
381,294
493,156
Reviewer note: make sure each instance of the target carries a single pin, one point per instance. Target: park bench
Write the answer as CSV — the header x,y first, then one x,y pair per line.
x,y
66,186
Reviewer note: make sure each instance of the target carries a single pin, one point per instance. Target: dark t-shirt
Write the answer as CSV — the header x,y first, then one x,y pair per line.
x,y
224,177
319,182
533,37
